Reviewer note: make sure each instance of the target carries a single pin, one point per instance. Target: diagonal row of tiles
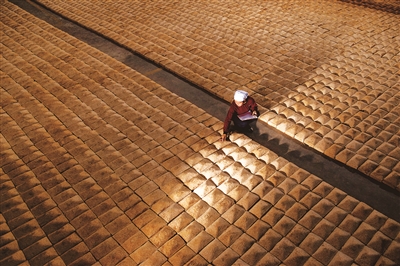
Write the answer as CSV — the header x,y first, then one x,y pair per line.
x,y
328,77
101,165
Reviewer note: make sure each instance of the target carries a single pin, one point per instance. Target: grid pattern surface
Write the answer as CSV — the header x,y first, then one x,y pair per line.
x,y
325,72
101,166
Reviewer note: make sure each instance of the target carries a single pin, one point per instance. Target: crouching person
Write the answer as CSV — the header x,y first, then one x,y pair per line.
x,y
242,111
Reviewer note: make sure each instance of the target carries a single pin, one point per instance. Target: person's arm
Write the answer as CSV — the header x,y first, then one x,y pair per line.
x,y
252,106
227,122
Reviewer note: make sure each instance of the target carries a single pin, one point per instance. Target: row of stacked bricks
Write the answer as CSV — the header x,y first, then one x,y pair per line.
x,y
329,79
102,166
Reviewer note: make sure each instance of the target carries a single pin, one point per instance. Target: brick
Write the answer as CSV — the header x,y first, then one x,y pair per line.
x,y
7,238
179,193
233,214
270,259
144,218
224,204
262,189
230,235
212,250
284,225
310,220
157,258
44,257
133,242
153,226
43,207
367,256
143,252
272,216
34,195
182,256
325,253
208,217
227,257
124,233
379,242
242,244
311,243
162,236
80,259
391,228
273,196
60,233
190,231
228,185
117,223
260,208
110,215
20,220
104,248
67,243
91,226
288,184
171,212
49,217
324,228
128,261
129,202
352,247
248,200
67,197
376,219
103,207
154,196
336,216
25,229
86,185
364,233
200,241
197,209
172,246
198,260
245,221
392,252
55,224
323,207
97,237
204,188
10,249
136,210
362,211
254,254
350,224
195,182
59,188
217,227
181,221
35,249
146,189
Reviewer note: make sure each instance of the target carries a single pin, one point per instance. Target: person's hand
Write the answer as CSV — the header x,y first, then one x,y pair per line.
x,y
255,112
223,137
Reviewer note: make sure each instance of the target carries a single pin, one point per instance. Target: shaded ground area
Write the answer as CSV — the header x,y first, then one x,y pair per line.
x,y
101,165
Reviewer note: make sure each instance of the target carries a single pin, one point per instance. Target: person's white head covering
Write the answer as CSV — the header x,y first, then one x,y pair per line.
x,y
240,96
